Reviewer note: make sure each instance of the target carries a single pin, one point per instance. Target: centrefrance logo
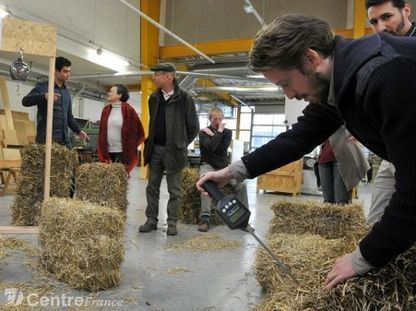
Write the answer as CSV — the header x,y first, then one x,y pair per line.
x,y
15,297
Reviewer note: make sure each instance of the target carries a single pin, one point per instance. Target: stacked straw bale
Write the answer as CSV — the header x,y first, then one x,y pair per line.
x,y
308,237
29,197
313,217
103,184
191,202
82,243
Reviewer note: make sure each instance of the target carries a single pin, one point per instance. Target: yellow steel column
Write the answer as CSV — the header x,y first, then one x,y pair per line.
x,y
359,18
149,54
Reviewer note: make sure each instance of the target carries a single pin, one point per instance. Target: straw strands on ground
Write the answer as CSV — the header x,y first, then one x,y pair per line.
x,y
206,242
191,202
25,209
82,243
313,217
103,184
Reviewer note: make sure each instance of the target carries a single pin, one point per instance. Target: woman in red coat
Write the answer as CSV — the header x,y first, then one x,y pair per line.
x,y
121,131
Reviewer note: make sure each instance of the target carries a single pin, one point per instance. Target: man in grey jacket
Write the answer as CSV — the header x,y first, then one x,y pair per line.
x,y
173,125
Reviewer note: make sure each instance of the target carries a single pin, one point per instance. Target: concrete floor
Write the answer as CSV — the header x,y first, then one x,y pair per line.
x,y
213,280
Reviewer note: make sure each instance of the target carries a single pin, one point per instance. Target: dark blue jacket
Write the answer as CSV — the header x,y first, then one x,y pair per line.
x,y
62,113
375,83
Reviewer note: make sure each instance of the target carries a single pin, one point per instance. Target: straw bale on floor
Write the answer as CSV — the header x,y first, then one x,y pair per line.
x,y
82,243
29,196
390,288
191,202
103,184
313,217
307,256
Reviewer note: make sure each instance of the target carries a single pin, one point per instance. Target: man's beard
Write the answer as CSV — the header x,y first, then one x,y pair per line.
x,y
320,85
399,29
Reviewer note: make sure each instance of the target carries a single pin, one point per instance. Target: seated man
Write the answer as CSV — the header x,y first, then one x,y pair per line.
x,y
214,141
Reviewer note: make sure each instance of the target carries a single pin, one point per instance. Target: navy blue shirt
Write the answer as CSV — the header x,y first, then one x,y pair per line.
x,y
62,113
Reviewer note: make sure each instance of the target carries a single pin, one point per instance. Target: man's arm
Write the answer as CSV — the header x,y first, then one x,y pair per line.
x,y
36,96
317,124
216,143
394,101
191,119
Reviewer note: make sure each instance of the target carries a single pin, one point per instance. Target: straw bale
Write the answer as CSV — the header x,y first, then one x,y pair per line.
x,y
25,209
191,202
313,217
390,288
103,184
82,243
308,256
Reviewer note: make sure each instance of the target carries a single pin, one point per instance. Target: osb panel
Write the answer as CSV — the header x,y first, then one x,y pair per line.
x,y
290,168
288,184
30,37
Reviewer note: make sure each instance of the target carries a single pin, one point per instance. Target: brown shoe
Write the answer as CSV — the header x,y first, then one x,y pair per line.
x,y
172,229
203,227
148,227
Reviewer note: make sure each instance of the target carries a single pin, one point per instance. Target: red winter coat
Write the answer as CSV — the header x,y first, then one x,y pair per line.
x,y
132,135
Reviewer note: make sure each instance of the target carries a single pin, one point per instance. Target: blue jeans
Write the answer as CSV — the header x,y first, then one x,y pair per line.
x,y
332,185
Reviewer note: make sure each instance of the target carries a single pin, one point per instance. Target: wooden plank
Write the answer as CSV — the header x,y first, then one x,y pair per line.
x,y
19,229
48,145
6,103
30,37
11,154
10,163
10,137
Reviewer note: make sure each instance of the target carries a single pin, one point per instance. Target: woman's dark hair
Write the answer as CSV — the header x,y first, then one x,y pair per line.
x,y
123,91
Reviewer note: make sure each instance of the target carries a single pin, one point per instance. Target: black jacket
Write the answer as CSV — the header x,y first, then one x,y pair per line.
x,y
214,148
182,126
375,83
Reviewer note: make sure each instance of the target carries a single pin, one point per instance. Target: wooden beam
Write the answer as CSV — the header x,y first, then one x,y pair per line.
x,y
225,46
6,103
19,229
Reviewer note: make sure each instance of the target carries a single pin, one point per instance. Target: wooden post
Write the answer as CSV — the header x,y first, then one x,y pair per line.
x,y
48,145
6,104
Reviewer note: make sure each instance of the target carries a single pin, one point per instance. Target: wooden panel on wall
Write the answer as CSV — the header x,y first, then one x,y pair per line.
x,y
30,37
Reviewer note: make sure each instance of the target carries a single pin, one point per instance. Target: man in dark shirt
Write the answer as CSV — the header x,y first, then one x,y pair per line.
x,y
214,141
367,84
62,108
391,16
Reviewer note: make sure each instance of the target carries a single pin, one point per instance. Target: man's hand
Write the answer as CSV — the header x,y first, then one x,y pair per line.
x,y
341,271
221,127
221,177
83,135
208,131
56,96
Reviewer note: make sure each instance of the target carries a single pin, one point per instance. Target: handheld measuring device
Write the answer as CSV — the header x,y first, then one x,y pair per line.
x,y
236,215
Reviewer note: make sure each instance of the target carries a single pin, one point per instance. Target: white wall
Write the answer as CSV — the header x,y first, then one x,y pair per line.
x,y
108,23
81,107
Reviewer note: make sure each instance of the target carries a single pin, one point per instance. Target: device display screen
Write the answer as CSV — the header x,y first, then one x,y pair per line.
x,y
236,215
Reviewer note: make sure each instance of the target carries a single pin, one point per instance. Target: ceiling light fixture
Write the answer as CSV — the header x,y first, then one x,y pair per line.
x,y
250,9
107,59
